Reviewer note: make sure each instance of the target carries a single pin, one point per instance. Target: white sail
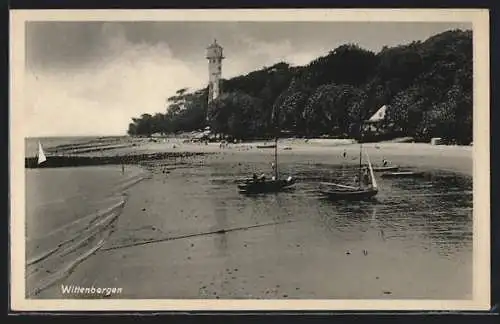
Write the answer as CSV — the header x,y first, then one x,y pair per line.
x,y
41,155
374,181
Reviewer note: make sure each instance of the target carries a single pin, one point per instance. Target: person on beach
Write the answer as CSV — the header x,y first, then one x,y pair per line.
x,y
385,162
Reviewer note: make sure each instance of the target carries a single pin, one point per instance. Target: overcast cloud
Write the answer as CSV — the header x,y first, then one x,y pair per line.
x,y
91,78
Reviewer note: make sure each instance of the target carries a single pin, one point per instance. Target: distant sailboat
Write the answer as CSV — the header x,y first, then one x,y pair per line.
x,y
41,154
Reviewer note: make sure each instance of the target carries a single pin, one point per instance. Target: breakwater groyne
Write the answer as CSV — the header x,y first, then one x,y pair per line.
x,y
58,161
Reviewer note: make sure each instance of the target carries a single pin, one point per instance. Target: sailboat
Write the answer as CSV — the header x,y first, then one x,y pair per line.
x,y
337,191
41,154
263,185
260,184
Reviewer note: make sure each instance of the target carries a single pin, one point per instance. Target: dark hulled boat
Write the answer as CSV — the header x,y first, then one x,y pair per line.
x,y
266,146
265,186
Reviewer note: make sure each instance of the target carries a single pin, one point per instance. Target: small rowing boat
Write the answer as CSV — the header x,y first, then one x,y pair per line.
x,y
386,168
402,174
266,146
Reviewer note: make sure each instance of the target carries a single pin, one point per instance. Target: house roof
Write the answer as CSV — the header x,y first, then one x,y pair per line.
x,y
378,116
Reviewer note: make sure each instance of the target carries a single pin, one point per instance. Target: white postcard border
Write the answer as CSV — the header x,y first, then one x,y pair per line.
x,y
481,181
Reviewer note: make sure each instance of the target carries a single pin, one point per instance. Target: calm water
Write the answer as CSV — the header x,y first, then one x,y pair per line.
x,y
68,210
49,143
414,240
435,210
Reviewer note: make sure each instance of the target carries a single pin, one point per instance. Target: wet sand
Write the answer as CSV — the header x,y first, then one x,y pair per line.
x,y
186,233
411,155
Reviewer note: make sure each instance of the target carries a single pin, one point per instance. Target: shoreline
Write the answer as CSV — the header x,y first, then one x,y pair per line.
x,y
425,157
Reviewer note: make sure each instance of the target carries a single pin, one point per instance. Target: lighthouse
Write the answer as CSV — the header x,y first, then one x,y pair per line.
x,y
214,57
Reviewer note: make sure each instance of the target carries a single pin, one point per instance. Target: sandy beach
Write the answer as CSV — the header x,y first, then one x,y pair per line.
x,y
420,155
184,232
412,155
408,155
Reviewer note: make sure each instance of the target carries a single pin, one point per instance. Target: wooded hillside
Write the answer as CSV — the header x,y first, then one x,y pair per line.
x,y
427,87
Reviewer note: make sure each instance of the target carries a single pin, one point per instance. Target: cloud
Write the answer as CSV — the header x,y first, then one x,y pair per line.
x,y
129,79
259,53
134,79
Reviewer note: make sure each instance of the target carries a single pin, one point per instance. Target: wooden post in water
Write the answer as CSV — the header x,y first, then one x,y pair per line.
x,y
276,158
123,164
360,155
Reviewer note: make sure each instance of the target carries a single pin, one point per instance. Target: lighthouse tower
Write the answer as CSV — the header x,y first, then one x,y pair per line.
x,y
214,57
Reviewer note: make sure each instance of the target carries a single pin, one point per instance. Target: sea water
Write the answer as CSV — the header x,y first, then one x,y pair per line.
x,y
69,211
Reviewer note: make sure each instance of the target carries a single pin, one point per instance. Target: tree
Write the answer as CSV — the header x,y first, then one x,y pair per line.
x,y
132,129
234,114
332,109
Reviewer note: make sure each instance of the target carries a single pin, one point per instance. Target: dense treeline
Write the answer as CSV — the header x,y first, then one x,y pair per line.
x,y
426,85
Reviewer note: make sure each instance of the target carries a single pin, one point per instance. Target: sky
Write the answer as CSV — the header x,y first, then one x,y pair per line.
x,y
91,78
